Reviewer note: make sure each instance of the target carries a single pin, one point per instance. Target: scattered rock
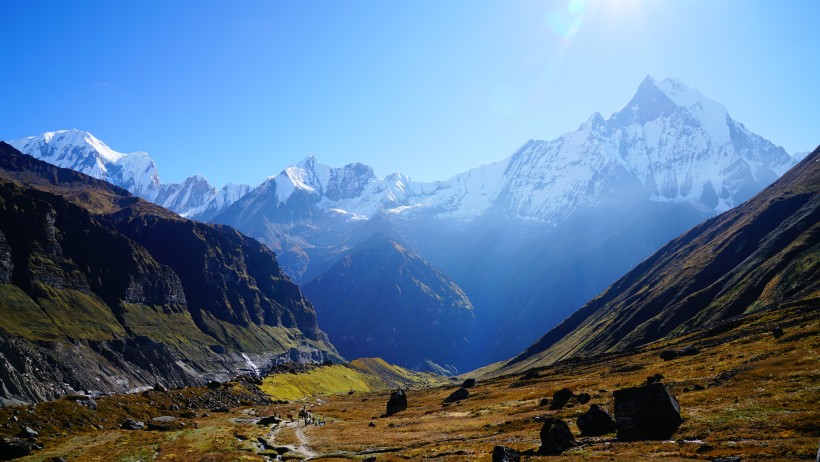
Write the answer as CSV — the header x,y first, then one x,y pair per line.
x,y
351,392
697,387
777,332
160,387
654,378
87,403
583,398
457,395
505,454
668,355
56,459
555,437
727,459
544,401
561,398
397,402
28,432
132,424
269,420
370,459
371,424
165,423
12,448
469,383
688,350
530,374
647,412
213,385
596,422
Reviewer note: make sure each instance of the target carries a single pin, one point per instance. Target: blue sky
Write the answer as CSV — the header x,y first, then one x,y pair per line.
x,y
239,90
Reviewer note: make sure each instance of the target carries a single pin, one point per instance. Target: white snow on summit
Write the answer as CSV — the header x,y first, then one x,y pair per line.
x,y
136,172
670,143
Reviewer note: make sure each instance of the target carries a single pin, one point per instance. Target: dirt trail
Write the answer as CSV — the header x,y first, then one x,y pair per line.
x,y
302,449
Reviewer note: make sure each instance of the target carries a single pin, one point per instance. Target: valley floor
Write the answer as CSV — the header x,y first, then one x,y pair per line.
x,y
760,399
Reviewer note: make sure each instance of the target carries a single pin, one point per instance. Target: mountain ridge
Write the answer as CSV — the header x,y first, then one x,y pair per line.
x,y
760,255
101,290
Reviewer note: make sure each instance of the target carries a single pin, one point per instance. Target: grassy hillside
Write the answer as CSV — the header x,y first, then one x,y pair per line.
x,y
361,375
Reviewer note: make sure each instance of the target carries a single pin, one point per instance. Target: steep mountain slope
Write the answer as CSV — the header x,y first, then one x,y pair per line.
x,y
384,300
762,255
135,172
100,290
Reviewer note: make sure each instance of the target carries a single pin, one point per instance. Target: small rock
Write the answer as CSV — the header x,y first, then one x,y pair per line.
x,y
688,350
269,420
12,448
132,424
596,422
555,437
56,459
561,398
457,395
777,332
505,454
544,401
370,459
668,355
697,387
530,375
371,424
469,383
351,392
213,384
28,432
397,402
727,459
160,387
647,412
654,378
87,403
583,398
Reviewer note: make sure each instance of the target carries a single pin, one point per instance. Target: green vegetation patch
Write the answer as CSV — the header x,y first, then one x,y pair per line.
x,y
79,315
325,380
21,316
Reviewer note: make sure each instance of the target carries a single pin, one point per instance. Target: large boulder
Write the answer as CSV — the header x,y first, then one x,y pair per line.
x,y
397,402
468,383
596,422
561,398
505,454
131,424
12,448
457,395
555,437
647,412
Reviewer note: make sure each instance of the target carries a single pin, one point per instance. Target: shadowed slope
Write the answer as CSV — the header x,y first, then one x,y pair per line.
x,y
761,255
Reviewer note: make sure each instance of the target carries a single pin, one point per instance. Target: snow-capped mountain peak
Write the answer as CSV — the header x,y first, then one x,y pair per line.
x,y
137,172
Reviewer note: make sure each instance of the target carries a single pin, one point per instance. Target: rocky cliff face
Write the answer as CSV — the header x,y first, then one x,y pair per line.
x,y
136,295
